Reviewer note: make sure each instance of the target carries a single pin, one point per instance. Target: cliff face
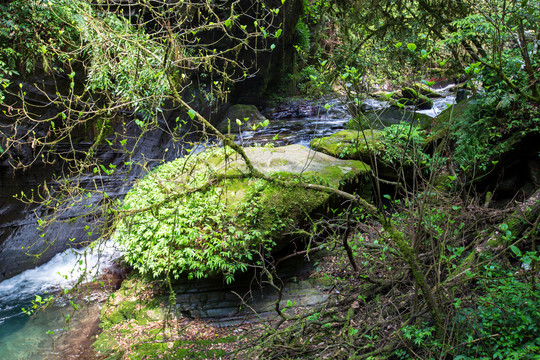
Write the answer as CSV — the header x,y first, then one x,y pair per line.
x,y
23,242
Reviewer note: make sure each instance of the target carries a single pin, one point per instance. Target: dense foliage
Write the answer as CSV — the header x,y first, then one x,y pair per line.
x,y
432,268
177,224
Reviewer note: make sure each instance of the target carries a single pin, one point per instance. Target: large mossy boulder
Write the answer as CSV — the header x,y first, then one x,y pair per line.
x,y
441,124
391,149
203,215
350,144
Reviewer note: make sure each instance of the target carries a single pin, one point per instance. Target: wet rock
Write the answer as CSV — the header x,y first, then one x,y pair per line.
x,y
534,171
248,115
412,97
462,94
440,126
294,109
350,144
425,90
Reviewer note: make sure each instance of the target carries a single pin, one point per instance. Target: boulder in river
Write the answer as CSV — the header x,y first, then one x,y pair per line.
x,y
423,89
248,115
413,97
386,148
350,144
204,215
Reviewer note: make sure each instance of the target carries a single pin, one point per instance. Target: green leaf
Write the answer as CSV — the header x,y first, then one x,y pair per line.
x,y
411,47
515,250
278,33
227,22
191,114
398,45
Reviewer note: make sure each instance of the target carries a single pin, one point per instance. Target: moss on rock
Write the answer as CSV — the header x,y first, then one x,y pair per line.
x,y
442,122
412,97
350,144
136,324
203,215
136,299
423,89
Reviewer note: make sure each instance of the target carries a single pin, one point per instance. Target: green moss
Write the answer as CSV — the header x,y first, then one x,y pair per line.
x,y
423,89
409,93
130,338
126,304
350,144
423,102
412,97
188,218
387,117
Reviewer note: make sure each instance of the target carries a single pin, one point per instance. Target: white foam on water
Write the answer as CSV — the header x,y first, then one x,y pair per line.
x,y
62,271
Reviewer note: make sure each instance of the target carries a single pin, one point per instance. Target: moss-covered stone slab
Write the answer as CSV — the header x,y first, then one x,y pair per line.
x,y
138,322
204,215
135,300
385,148
350,144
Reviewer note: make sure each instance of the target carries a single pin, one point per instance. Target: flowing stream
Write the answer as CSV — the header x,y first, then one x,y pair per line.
x,y
39,336
32,337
